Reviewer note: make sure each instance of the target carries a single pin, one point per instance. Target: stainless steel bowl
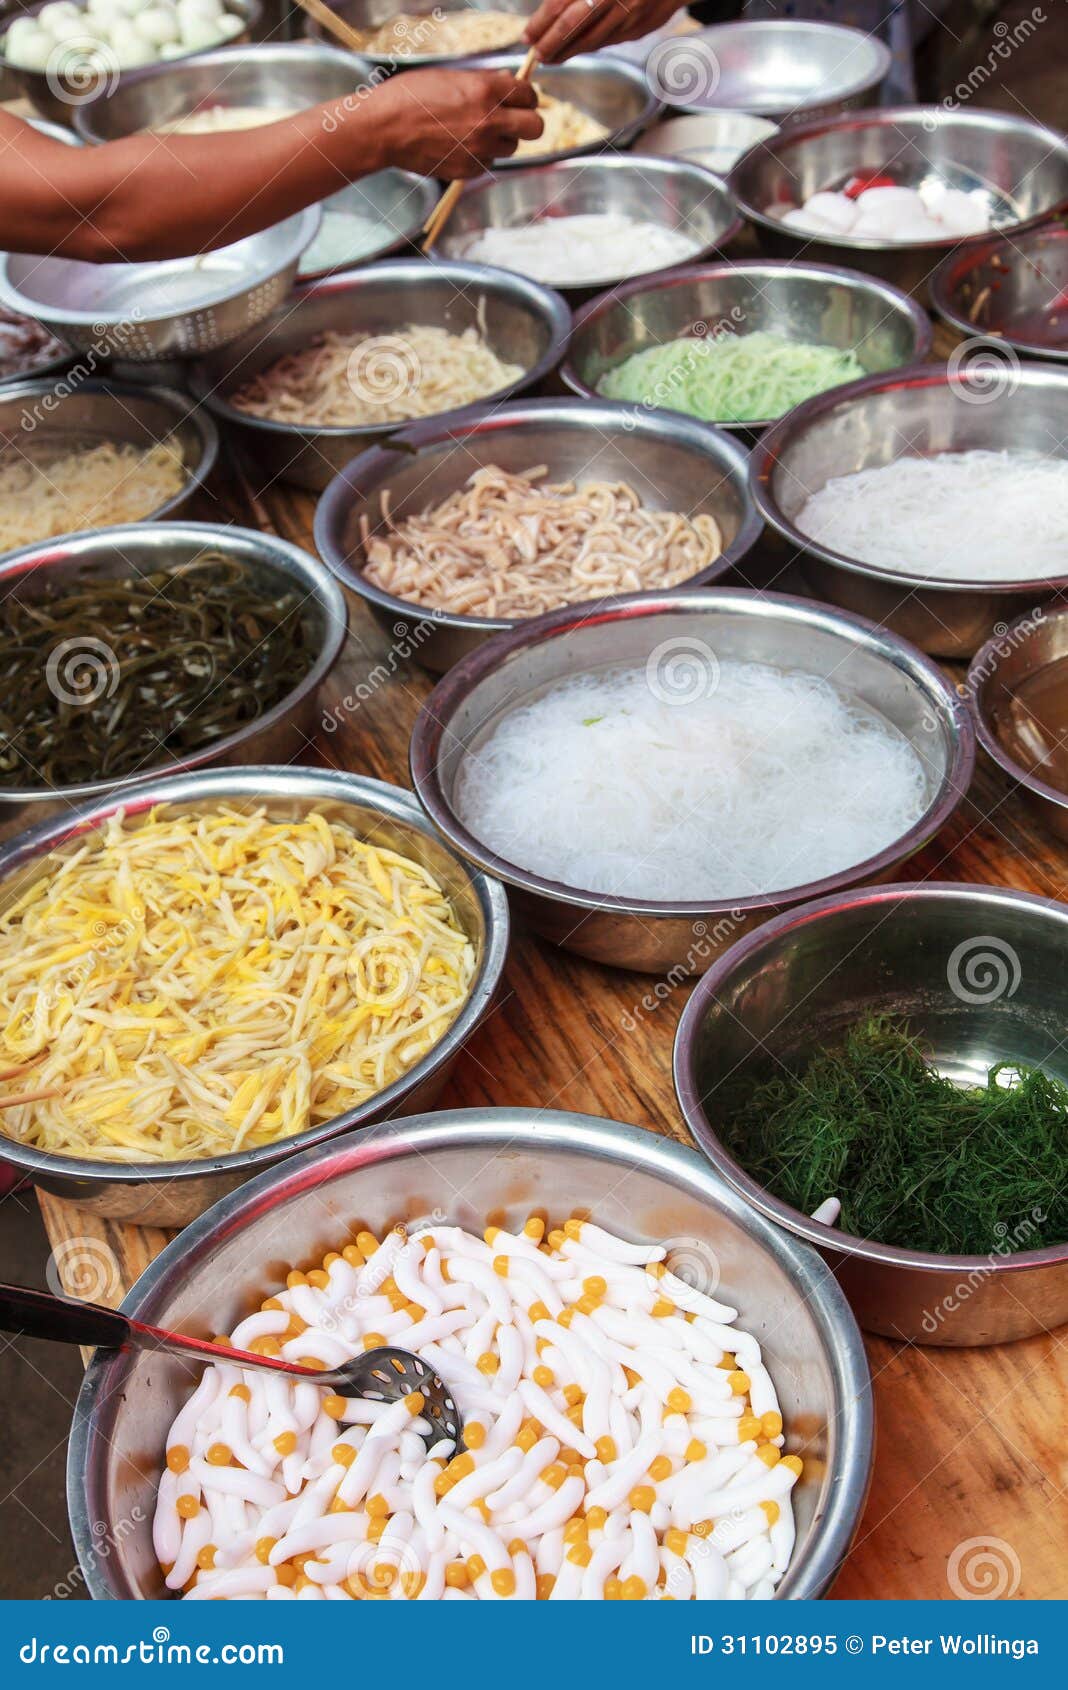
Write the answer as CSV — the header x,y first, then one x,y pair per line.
x,y
398,199
1011,289
42,417
1019,659
524,323
669,192
59,93
715,139
708,626
369,15
172,1193
919,413
979,974
805,302
164,309
476,1165
787,69
138,549
674,463
281,76
611,90
1022,168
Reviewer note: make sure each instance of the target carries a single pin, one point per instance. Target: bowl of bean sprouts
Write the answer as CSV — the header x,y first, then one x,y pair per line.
x,y
403,34
623,1219
344,363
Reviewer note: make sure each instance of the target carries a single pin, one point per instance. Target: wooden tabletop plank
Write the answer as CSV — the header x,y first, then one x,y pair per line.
x,y
970,1443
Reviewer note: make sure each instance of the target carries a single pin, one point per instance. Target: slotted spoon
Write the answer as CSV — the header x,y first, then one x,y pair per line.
x,y
386,1374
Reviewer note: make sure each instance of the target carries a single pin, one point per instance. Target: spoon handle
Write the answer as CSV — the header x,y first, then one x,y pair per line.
x,y
38,1314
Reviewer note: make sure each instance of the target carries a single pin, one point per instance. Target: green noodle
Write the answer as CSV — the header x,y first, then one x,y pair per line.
x,y
734,378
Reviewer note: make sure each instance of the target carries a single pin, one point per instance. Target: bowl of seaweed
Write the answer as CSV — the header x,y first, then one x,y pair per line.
x,y
884,1073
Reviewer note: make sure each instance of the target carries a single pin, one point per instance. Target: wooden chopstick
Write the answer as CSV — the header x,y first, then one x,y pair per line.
x,y
19,1069
21,1097
335,26
447,203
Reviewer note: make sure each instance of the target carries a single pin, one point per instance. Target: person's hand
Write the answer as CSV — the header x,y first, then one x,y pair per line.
x,y
454,123
561,28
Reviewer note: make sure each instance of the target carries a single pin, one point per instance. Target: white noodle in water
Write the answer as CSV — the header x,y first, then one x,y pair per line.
x,y
565,251
961,516
345,237
690,780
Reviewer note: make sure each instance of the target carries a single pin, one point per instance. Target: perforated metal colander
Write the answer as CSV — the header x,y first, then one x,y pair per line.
x,y
172,308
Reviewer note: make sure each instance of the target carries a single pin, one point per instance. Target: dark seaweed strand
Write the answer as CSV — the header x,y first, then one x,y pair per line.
x,y
916,1161
199,652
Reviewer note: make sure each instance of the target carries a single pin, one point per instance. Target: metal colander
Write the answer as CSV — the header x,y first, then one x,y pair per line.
x,y
171,308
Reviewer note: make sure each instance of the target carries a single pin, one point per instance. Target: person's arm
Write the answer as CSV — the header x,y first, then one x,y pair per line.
x,y
152,196
561,28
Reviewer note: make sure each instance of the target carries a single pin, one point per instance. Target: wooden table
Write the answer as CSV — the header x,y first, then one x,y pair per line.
x,y
970,1442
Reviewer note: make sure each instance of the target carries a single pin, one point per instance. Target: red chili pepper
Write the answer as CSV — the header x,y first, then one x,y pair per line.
x,y
858,185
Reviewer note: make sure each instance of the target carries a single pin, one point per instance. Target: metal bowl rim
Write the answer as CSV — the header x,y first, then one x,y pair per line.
x,y
982,671
850,1405
436,713
594,64
417,61
544,301
213,57
881,55
656,282
637,164
875,117
711,1145
957,266
297,565
342,491
38,386
426,191
786,428
317,785
303,225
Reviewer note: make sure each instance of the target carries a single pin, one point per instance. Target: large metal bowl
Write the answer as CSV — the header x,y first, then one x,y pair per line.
x,y
172,1193
1012,289
284,731
523,322
674,463
399,199
670,192
611,90
59,93
163,309
804,302
1012,663
369,15
281,76
1022,167
979,974
918,413
42,418
475,1165
721,623
787,69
